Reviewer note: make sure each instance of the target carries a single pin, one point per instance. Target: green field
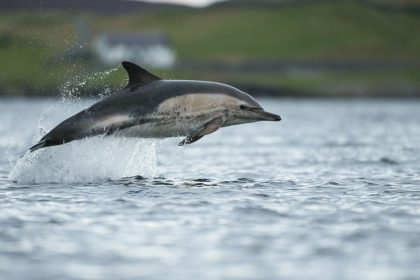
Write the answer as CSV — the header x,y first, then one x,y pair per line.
x,y
32,45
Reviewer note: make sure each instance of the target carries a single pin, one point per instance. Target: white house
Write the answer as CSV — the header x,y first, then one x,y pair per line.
x,y
146,48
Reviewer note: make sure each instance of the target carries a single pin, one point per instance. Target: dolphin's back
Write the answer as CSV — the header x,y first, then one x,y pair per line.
x,y
148,97
145,100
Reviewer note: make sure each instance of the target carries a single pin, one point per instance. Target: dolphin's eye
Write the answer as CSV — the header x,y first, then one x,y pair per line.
x,y
248,108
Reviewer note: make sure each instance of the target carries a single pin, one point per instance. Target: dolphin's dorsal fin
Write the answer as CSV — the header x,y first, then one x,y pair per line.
x,y
138,76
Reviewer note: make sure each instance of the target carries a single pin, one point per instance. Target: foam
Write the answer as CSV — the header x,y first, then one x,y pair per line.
x,y
88,160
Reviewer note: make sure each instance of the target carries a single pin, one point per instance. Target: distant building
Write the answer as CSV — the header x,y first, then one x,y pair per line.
x,y
150,49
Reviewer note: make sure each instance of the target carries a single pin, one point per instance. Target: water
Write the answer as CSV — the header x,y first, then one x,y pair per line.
x,y
330,192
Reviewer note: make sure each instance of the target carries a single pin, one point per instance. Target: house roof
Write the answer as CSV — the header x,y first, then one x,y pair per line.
x,y
136,39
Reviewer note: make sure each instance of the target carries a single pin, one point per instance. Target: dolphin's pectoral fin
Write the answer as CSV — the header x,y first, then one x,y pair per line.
x,y
208,128
190,139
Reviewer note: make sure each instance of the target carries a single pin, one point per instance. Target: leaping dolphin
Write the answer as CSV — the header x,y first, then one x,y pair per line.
x,y
150,107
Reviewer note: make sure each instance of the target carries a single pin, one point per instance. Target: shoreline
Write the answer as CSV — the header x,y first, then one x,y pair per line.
x,y
253,90
383,91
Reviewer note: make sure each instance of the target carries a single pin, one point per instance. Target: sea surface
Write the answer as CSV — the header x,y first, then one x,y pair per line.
x,y
330,192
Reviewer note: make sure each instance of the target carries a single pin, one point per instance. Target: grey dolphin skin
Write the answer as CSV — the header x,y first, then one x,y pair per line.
x,y
150,107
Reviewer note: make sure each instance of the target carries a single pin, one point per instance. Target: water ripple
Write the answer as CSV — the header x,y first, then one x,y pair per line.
x,y
334,195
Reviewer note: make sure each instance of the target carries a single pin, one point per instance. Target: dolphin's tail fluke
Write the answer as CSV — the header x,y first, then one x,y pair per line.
x,y
43,143
39,145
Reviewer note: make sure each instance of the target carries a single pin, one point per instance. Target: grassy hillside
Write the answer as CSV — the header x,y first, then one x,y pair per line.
x,y
32,44
326,30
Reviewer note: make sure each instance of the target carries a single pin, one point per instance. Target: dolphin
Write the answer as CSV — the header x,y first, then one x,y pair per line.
x,y
151,107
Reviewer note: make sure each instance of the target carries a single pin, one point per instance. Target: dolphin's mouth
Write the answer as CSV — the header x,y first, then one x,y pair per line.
x,y
267,116
262,115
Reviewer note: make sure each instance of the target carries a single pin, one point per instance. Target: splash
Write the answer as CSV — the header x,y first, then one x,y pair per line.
x,y
88,160
71,98
73,88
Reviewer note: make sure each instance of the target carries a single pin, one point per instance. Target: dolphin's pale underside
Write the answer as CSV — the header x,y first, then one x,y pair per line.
x,y
150,107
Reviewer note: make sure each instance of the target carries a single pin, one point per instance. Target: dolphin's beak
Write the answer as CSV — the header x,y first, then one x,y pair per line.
x,y
266,116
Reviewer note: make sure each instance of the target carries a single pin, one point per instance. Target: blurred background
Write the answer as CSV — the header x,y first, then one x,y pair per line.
x,y
266,47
